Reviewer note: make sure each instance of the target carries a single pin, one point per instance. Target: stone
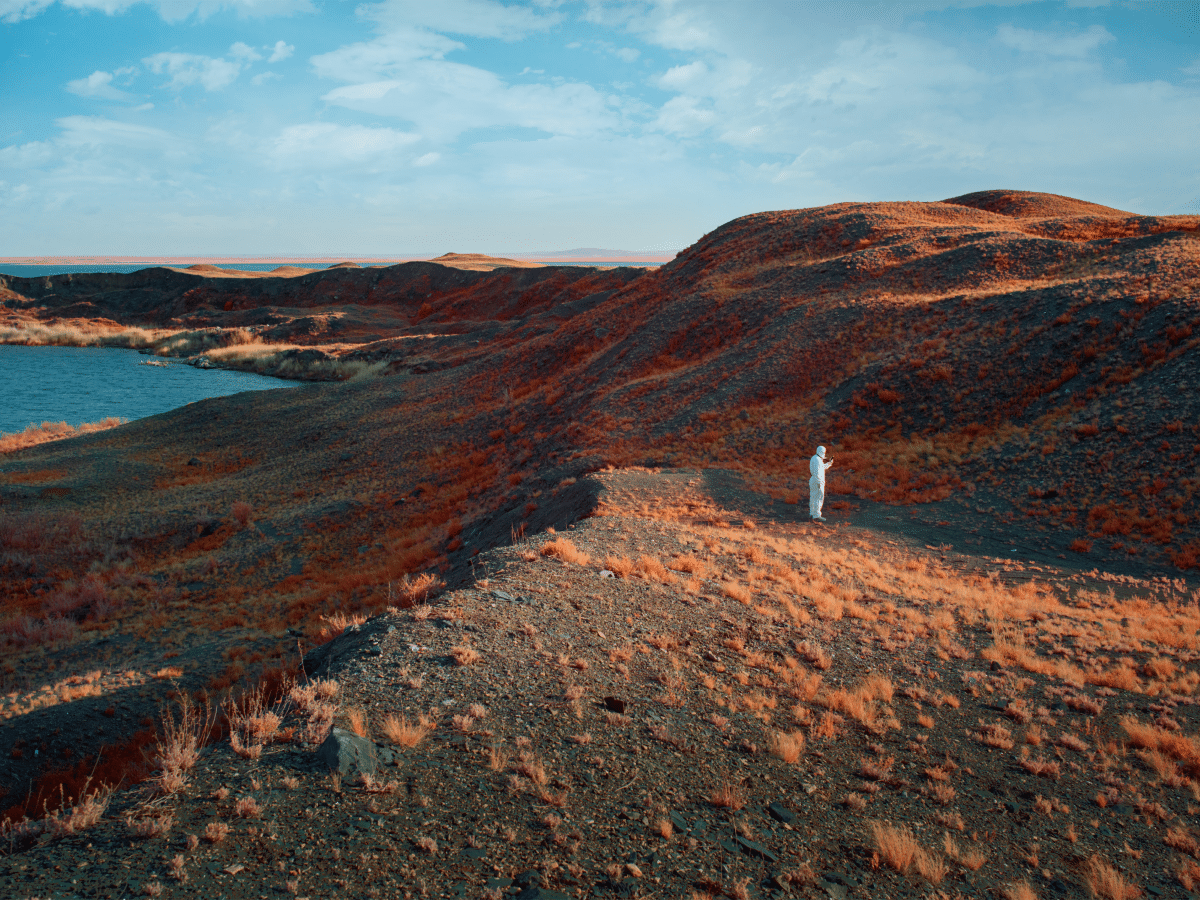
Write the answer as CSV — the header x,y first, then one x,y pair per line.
x,y
347,753
541,893
753,848
780,813
633,870
528,878
614,704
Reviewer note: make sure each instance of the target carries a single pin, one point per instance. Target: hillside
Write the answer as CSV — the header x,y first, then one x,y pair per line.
x,y
994,374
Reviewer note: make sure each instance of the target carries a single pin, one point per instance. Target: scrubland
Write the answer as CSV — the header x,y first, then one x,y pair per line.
x,y
979,679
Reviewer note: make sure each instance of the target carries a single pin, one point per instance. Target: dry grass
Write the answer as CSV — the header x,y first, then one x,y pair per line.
x,y
400,731
564,549
897,848
728,795
180,743
1020,890
150,826
53,431
787,746
465,656
1106,883
621,566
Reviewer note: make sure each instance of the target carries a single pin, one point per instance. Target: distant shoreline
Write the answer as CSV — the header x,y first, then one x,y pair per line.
x,y
184,261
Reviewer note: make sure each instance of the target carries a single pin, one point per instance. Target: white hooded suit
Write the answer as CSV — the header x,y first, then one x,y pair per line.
x,y
816,483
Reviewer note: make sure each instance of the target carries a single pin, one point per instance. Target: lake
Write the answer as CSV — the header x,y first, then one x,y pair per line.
x,y
87,384
24,271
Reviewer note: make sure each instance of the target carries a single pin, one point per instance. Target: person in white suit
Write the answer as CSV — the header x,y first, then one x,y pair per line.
x,y
816,484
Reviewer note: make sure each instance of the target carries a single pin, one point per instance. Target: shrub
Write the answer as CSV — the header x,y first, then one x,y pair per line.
x,y
1106,883
787,747
400,731
241,511
621,566
566,551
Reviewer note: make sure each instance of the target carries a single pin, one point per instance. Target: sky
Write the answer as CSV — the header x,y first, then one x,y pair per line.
x,y
292,127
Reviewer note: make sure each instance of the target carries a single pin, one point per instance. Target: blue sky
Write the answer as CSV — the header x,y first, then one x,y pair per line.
x,y
258,127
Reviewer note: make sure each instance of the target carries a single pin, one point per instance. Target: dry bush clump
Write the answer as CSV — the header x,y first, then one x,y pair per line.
x,y
787,746
899,850
150,826
621,566
728,795
315,701
414,590
400,731
564,549
252,723
336,624
241,512
1020,890
180,743
653,570
81,815
465,656
1106,883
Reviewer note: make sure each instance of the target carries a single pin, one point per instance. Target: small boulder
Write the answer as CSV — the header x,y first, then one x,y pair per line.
x,y
349,754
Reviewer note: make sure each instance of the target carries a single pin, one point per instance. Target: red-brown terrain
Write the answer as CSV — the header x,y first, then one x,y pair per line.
x,y
1001,376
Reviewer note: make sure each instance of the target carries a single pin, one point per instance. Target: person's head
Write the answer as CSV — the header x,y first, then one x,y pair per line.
x,y
821,452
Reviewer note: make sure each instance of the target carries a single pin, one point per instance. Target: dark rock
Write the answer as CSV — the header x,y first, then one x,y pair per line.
x,y
474,853
996,667
679,821
614,704
753,848
528,878
501,883
839,878
193,461
780,813
728,846
541,893
347,753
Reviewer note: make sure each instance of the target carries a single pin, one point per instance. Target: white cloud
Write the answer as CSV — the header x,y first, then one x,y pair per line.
x,y
404,74
263,77
93,131
427,160
169,10
628,54
244,52
475,18
1076,45
281,51
683,116
680,78
16,10
324,144
189,68
98,85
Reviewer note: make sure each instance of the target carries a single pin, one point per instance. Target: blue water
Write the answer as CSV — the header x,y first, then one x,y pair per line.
x,y
40,271
87,384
